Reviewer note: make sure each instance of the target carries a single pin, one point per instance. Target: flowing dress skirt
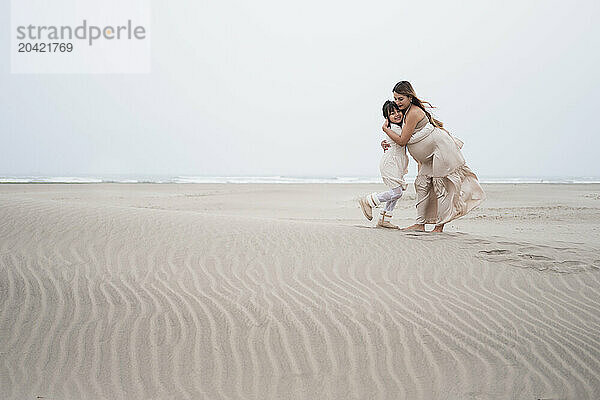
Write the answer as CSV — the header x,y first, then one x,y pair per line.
x,y
446,188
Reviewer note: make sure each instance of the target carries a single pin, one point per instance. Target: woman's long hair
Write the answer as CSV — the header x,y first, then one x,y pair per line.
x,y
406,89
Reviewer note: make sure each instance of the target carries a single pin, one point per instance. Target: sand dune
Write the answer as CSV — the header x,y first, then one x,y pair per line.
x,y
284,292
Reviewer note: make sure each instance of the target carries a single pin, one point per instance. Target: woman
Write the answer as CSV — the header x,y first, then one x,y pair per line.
x,y
446,188
393,167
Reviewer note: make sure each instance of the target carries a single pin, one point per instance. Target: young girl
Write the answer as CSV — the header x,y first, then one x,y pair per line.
x,y
393,167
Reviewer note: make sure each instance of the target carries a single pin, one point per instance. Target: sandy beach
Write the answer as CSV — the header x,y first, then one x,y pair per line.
x,y
257,291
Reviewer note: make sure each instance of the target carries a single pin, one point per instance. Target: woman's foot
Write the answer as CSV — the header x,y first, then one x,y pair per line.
x,y
438,228
415,227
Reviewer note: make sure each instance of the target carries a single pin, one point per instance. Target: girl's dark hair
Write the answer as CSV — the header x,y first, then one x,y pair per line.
x,y
406,89
388,106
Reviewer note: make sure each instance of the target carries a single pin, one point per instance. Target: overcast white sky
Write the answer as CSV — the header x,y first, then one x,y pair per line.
x,y
296,88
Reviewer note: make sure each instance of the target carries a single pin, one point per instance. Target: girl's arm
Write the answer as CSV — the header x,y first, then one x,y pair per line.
x,y
392,135
407,130
385,145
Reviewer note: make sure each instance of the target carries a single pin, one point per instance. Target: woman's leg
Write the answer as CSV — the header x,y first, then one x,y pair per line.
x,y
424,190
445,191
438,228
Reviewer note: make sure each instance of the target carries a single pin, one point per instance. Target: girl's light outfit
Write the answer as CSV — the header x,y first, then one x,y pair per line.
x,y
446,188
394,163
393,166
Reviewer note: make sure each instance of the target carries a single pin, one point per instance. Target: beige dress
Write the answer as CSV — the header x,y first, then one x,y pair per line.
x,y
446,188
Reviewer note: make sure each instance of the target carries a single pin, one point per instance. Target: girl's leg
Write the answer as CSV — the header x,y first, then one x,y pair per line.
x,y
370,201
390,205
390,198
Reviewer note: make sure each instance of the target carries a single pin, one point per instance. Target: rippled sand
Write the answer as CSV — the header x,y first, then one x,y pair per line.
x,y
196,291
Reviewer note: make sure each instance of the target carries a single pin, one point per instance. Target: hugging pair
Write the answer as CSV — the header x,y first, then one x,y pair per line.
x,y
445,186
